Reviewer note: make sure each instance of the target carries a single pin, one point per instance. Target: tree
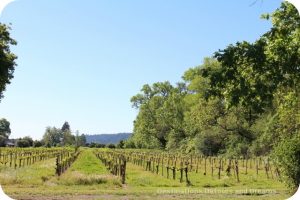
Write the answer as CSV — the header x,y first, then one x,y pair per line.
x,y
4,128
29,139
209,143
82,140
251,73
7,59
24,142
96,145
2,141
65,127
38,143
161,109
100,145
121,144
56,137
77,140
92,145
286,155
111,146
52,137
263,79
243,100
67,138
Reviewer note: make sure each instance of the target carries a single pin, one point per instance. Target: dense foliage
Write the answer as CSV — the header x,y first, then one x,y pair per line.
x,y
62,137
4,128
4,131
7,58
244,100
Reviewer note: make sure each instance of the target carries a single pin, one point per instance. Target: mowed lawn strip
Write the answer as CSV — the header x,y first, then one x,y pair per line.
x,y
87,163
88,170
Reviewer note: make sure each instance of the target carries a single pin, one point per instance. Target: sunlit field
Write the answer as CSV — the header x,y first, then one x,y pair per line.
x,y
89,178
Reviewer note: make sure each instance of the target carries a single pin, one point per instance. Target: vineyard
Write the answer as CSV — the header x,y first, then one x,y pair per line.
x,y
171,165
21,157
65,172
224,128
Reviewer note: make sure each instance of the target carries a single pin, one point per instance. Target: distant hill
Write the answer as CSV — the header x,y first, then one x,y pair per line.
x,y
107,138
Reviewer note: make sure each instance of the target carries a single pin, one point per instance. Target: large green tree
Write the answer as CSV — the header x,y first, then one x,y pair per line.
x,y
251,73
4,131
66,127
52,137
4,128
263,78
67,137
7,58
160,114
245,100
24,142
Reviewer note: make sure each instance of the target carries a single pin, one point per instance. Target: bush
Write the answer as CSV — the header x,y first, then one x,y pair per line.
x,y
100,145
38,143
22,143
96,145
287,156
209,143
111,146
129,143
2,141
121,144
92,145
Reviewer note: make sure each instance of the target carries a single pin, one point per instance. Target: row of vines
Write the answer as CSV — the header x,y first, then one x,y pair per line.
x,y
20,157
115,162
64,159
172,165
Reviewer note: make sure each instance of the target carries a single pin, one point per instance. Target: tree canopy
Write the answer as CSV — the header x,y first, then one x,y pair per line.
x,y
243,100
4,128
7,58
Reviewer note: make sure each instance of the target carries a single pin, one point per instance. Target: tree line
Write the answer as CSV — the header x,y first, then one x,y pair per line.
x,y
242,101
53,137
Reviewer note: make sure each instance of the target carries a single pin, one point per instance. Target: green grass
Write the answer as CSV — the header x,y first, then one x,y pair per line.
x,y
87,163
137,176
88,170
87,178
35,174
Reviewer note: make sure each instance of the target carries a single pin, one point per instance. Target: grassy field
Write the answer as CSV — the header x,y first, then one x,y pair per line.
x,y
88,178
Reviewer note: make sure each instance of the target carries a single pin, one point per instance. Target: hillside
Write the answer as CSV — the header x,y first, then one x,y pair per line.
x,y
107,138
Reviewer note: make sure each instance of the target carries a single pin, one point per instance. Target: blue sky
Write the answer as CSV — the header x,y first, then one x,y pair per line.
x,y
81,60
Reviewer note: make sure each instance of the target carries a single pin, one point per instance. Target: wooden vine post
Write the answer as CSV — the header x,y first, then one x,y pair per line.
x,y
237,170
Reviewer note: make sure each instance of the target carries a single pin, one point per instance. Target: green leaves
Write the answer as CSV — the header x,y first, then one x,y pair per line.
x,y
4,128
251,73
287,157
161,111
246,99
7,59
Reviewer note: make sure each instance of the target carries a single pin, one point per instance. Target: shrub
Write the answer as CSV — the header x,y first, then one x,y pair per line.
x,y
2,141
287,156
22,143
111,146
209,143
38,143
